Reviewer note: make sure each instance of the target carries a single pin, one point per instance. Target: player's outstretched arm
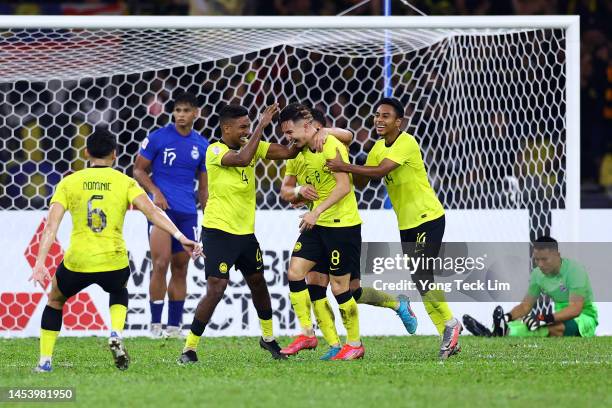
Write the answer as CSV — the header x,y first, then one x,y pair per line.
x,y
40,273
362,174
159,218
295,194
343,187
343,135
142,165
278,151
243,157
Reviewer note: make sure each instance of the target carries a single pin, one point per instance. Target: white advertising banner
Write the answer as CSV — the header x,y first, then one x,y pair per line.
x,y
21,303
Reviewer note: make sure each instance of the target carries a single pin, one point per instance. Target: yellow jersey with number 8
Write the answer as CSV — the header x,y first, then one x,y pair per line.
x,y
97,199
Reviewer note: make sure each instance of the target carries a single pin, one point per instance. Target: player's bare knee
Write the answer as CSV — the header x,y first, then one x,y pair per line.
x,y
216,288
295,274
339,284
160,266
316,278
256,280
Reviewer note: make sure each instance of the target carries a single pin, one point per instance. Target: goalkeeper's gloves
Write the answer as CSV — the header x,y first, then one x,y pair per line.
x,y
534,322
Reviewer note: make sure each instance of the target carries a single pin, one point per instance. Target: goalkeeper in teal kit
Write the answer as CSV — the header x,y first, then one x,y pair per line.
x,y
566,282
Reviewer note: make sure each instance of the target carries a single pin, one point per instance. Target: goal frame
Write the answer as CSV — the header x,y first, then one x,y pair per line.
x,y
571,25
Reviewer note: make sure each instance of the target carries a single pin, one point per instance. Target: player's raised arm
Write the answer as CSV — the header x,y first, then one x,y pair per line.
x,y
278,151
385,167
343,135
40,273
161,220
243,157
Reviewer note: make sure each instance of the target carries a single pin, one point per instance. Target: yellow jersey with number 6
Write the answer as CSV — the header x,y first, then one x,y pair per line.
x,y
97,199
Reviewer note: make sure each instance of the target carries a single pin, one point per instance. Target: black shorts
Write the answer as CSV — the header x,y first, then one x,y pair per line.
x,y
337,249
224,250
423,240
70,283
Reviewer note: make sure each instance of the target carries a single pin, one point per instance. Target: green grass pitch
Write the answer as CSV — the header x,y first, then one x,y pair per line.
x,y
396,372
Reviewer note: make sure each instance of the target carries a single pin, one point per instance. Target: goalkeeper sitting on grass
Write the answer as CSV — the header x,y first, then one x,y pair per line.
x,y
563,280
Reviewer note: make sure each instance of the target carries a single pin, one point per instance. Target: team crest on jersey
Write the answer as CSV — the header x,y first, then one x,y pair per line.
x,y
297,247
195,153
223,267
216,150
562,288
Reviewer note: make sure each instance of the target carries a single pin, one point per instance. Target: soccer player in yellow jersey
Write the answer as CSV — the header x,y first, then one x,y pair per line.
x,y
396,158
330,231
318,278
97,199
229,222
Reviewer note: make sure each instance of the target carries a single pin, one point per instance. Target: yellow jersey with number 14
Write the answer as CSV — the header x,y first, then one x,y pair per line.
x,y
231,191
414,200
97,199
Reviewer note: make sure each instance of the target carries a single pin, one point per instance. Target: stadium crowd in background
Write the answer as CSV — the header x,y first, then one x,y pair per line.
x,y
38,117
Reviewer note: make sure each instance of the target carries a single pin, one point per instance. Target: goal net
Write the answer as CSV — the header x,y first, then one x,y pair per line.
x,y
488,105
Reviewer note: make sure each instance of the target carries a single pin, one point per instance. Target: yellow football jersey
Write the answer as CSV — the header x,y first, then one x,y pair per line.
x,y
97,199
344,213
414,200
231,191
295,167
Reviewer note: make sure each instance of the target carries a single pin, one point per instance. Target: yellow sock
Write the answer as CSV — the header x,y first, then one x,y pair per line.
x,y
373,297
350,318
47,342
301,306
435,317
118,313
325,319
192,341
266,329
435,299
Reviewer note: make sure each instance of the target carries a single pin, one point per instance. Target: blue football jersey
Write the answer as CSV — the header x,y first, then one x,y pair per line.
x,y
175,162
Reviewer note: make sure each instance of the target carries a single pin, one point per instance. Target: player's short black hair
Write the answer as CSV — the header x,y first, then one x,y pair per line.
x,y
101,143
397,106
185,98
294,112
232,111
319,116
546,242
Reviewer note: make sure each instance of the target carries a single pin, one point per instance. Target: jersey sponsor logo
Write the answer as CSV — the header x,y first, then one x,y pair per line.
x,y
297,247
223,267
562,288
195,153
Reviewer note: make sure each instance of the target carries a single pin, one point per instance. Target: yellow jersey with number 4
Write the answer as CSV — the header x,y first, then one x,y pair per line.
x,y
97,199
414,200
231,191
344,213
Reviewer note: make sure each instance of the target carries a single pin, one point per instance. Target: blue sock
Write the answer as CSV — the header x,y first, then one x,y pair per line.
x,y
175,312
157,308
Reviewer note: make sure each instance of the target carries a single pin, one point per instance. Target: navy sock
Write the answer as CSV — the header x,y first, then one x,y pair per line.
x,y
175,312
157,308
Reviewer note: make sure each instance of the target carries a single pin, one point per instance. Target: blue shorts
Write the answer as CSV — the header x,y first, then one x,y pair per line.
x,y
187,223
